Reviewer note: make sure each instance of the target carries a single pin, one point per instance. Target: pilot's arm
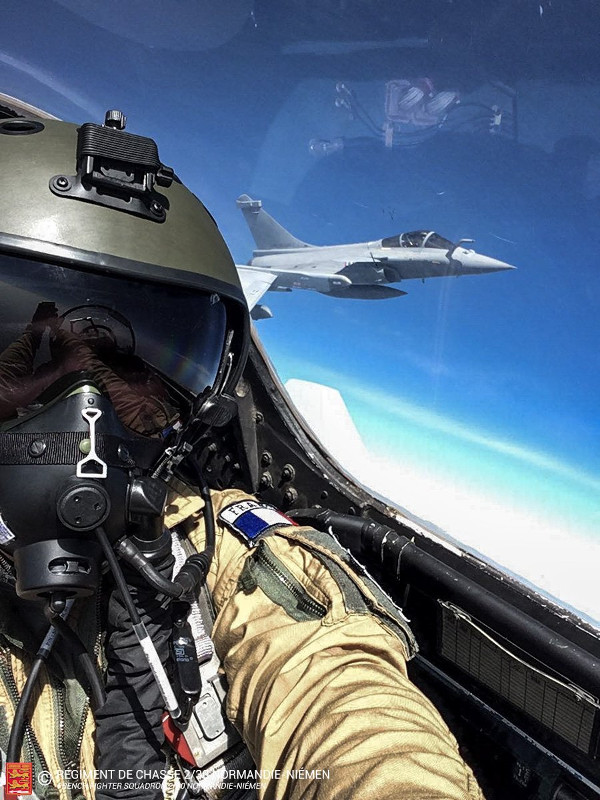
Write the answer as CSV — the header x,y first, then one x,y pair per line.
x,y
320,683
18,383
143,407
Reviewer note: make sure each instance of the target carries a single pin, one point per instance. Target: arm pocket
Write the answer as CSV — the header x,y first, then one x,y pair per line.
x,y
265,571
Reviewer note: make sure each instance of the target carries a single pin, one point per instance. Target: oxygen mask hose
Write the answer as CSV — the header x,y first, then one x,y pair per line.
x,y
191,576
129,733
53,614
20,720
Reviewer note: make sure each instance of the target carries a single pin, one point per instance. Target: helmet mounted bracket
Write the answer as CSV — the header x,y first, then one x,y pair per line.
x,y
117,169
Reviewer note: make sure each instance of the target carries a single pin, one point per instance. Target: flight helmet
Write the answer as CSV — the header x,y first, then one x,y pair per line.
x,y
123,329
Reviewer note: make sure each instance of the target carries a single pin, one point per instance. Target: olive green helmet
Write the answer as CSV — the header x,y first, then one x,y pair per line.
x,y
101,240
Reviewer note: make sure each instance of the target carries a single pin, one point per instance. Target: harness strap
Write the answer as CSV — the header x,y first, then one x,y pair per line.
x,y
20,448
214,742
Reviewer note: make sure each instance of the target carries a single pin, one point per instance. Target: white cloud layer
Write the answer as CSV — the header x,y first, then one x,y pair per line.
x,y
470,434
549,552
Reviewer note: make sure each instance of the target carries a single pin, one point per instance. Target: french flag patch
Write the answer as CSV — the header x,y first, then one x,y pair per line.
x,y
250,519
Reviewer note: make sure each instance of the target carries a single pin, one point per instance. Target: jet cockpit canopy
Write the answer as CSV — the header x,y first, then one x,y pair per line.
x,y
418,239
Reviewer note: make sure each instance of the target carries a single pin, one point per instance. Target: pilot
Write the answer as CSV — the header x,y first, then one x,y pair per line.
x,y
147,623
138,395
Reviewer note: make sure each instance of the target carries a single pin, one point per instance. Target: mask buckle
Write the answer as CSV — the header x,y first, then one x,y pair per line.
x,y
91,415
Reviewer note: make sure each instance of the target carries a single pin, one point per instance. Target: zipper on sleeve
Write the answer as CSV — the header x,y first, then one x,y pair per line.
x,y
264,570
32,747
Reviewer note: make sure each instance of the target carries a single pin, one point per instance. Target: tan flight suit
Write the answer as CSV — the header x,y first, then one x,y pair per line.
x,y
329,694
326,694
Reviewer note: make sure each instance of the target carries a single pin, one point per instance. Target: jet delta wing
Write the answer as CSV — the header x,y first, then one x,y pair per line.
x,y
363,270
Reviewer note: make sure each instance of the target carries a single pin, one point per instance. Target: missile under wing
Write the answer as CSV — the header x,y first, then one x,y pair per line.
x,y
363,270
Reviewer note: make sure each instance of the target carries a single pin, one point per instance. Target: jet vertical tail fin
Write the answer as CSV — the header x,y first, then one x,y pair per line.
x,y
268,234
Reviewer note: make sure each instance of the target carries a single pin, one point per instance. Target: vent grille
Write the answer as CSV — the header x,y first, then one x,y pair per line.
x,y
565,710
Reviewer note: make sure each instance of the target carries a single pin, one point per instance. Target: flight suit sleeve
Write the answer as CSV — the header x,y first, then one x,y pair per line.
x,y
136,405
17,383
16,361
317,677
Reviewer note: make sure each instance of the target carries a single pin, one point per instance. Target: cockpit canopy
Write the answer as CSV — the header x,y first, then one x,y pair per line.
x,y
418,239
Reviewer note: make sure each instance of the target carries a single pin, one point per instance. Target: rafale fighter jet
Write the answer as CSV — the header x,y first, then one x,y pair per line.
x,y
361,271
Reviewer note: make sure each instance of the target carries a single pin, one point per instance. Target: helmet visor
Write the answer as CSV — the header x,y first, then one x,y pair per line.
x,y
148,345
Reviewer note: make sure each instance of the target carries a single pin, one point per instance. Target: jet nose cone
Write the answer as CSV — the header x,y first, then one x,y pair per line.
x,y
493,265
473,263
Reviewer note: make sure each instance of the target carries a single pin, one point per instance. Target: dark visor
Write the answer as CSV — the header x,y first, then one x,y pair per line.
x,y
143,342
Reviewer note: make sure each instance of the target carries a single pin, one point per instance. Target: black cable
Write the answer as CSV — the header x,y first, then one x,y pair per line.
x,y
98,696
366,120
115,567
18,726
361,112
204,559
193,573
458,106
208,513
137,625
470,120
129,732
20,720
429,129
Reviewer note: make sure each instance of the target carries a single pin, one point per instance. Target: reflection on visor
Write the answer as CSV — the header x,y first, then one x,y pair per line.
x,y
145,345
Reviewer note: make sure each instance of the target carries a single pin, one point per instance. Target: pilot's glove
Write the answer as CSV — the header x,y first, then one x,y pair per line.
x,y
315,657
45,316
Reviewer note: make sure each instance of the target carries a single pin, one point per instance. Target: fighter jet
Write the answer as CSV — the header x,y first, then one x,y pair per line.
x,y
363,270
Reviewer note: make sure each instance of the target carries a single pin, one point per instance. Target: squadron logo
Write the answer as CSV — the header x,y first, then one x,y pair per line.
x,y
18,779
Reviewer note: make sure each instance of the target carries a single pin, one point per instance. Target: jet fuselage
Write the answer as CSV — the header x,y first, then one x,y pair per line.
x,y
370,262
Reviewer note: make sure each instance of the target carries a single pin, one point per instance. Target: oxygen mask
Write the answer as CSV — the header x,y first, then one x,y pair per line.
x,y
67,469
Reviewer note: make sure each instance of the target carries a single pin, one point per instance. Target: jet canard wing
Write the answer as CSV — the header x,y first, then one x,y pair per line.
x,y
255,282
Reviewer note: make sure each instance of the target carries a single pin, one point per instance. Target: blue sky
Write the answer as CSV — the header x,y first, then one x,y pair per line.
x,y
491,381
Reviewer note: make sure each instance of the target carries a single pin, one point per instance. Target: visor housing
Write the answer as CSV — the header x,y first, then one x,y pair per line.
x,y
151,346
